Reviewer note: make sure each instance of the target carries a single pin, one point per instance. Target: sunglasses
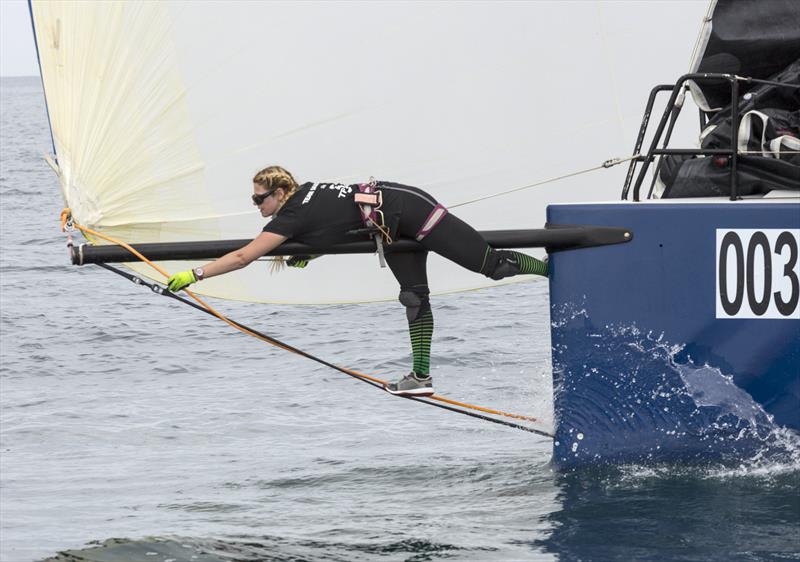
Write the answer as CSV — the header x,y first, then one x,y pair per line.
x,y
260,198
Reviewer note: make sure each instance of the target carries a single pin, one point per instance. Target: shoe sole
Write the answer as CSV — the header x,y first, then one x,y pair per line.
x,y
414,392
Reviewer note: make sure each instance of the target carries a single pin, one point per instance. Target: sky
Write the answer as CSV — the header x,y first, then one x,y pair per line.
x,y
17,51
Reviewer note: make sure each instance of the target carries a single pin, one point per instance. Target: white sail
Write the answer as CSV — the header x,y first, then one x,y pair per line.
x,y
163,111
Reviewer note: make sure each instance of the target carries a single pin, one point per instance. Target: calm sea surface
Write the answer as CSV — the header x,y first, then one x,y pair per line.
x,y
133,428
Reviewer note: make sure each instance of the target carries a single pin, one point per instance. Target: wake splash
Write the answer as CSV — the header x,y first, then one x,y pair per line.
x,y
623,395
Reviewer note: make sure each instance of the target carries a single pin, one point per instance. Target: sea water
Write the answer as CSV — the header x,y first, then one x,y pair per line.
x,y
134,428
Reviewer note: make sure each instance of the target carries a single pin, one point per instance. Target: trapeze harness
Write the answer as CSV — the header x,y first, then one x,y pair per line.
x,y
370,200
497,264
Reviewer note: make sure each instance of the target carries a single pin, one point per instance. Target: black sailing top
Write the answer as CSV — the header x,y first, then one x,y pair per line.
x,y
321,215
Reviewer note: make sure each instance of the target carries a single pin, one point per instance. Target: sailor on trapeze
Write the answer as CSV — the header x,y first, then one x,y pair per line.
x,y
326,214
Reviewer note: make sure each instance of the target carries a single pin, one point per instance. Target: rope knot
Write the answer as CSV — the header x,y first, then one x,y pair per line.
x,y
66,219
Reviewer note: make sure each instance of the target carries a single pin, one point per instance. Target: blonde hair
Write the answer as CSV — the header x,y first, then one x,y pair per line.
x,y
276,177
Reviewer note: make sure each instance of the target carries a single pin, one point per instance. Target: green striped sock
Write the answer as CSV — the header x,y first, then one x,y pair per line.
x,y
529,265
421,332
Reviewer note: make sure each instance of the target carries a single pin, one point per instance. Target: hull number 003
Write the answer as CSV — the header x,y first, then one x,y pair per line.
x,y
758,273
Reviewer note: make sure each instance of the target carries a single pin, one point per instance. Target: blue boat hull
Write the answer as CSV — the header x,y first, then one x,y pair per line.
x,y
681,345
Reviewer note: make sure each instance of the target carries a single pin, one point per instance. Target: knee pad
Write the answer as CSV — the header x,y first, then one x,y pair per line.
x,y
416,301
500,264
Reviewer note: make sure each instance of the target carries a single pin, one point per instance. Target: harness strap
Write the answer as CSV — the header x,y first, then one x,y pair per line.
x,y
370,200
434,218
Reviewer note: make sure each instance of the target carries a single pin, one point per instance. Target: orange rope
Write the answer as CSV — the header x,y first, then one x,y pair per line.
x,y
66,217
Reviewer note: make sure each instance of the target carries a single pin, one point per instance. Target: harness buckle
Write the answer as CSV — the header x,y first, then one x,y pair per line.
x,y
371,199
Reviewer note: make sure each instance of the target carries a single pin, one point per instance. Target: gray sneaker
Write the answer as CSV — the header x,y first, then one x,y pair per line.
x,y
411,385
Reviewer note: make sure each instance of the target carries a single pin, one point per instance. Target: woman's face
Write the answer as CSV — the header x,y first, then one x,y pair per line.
x,y
269,205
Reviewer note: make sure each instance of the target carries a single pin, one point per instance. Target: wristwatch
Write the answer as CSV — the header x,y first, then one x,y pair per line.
x,y
198,273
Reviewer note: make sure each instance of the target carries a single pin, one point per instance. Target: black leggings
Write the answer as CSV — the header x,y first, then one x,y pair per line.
x,y
452,238
408,209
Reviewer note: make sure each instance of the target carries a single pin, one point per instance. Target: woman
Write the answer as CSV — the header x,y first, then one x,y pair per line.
x,y
326,214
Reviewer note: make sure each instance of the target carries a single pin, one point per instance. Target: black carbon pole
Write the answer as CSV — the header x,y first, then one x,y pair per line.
x,y
554,238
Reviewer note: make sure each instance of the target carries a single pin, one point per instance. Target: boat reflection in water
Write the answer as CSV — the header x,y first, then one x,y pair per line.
x,y
664,513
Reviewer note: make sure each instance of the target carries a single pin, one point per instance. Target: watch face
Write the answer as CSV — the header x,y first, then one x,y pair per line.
x,y
198,272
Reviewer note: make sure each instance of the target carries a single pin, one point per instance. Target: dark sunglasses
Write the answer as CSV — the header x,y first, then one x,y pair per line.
x,y
260,198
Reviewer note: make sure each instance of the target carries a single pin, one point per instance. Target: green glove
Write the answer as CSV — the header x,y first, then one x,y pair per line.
x,y
181,280
299,261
